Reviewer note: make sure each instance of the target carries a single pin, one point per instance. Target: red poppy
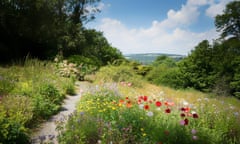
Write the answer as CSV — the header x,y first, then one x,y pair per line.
x,y
146,107
145,98
158,103
187,109
195,115
186,121
182,109
182,115
168,110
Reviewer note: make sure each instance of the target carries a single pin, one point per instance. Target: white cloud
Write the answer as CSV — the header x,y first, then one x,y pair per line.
x,y
153,39
168,36
216,8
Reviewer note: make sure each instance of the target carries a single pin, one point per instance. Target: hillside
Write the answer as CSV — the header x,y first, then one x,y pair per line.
x,y
147,58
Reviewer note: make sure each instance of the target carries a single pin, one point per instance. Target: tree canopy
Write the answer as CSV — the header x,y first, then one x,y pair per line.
x,y
44,28
229,22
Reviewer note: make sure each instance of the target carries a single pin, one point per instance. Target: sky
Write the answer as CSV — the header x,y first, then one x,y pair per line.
x,y
157,26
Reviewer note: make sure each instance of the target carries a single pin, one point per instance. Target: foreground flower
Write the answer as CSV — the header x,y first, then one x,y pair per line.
x,y
184,122
194,131
168,110
146,107
194,137
195,115
150,113
158,103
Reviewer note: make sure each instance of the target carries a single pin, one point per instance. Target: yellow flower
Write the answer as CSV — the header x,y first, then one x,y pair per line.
x,y
142,129
144,134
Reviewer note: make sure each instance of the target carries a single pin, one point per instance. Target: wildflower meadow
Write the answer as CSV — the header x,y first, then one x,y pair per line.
x,y
119,114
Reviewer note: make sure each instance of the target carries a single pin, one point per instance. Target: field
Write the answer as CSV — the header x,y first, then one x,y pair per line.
x,y
130,110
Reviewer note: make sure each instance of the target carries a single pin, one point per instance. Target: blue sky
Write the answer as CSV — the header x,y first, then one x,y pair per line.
x,y
157,26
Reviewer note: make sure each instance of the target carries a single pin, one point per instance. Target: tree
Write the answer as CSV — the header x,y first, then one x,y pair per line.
x,y
42,28
229,22
196,69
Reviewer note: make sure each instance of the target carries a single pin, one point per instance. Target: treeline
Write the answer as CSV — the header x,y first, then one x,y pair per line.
x,y
209,67
44,28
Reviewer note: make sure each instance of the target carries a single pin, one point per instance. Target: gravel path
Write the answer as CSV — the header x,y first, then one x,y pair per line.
x,y
47,133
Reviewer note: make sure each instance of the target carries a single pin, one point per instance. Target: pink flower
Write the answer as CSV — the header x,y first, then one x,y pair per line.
x,y
194,131
194,137
182,122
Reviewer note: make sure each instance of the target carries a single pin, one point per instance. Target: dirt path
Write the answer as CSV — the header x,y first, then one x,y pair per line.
x,y
47,133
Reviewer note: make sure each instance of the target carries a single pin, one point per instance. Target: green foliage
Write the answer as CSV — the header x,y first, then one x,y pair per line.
x,y
43,29
7,82
228,23
165,72
213,68
70,88
16,114
163,75
31,92
50,92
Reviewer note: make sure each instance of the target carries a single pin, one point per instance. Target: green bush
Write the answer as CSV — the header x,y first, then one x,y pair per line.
x,y
16,113
47,101
7,81
163,75
50,92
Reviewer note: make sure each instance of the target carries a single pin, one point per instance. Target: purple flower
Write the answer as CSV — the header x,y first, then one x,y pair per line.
x,y
194,131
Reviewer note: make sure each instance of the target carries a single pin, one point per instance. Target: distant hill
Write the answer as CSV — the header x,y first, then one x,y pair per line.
x,y
147,58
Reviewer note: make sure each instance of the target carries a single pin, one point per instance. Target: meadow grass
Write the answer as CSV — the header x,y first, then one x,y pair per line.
x,y
119,114
30,92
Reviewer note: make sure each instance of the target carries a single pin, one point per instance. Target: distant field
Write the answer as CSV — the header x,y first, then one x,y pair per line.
x,y
148,58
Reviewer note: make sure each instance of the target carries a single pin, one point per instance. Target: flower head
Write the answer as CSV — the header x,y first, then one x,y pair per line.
x,y
168,110
194,131
150,113
158,103
146,107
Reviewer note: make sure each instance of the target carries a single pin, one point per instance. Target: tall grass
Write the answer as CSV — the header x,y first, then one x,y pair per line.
x,y
30,92
152,114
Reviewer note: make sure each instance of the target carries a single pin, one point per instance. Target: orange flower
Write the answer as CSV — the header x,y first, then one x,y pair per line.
x,y
146,107
129,104
121,101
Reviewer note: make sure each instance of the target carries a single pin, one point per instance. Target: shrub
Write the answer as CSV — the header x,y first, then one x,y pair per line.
x,y
50,92
7,81
15,115
163,75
